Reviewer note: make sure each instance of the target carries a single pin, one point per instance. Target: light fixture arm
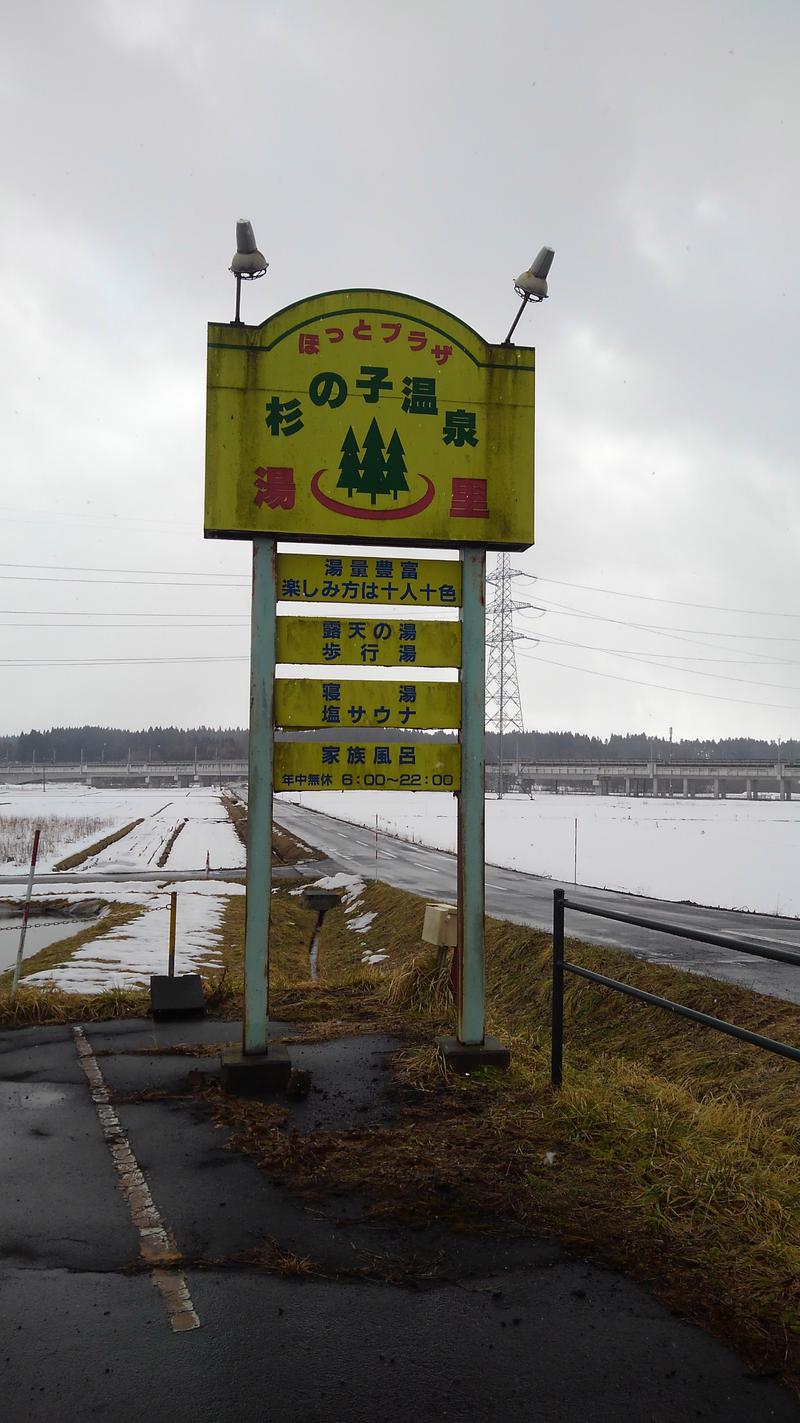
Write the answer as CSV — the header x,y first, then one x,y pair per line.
x,y
526,298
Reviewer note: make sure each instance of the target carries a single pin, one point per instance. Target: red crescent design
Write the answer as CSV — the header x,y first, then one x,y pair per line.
x,y
404,513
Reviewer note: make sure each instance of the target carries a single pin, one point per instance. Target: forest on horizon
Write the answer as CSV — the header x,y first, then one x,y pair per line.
x,y
174,743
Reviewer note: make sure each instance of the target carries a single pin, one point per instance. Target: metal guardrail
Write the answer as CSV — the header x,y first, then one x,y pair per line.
x,y
724,941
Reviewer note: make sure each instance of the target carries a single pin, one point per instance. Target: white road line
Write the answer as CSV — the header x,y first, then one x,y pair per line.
x,y
390,855
156,1244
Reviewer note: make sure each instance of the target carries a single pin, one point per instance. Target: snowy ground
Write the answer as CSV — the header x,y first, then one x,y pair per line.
x,y
732,854
126,956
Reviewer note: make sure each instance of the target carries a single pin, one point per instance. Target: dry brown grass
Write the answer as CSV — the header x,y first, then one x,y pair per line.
x,y
286,848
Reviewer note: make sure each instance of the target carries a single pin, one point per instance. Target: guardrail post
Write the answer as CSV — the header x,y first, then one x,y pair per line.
x,y
557,1010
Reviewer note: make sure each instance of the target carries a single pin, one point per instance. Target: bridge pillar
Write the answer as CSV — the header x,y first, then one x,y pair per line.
x,y
656,790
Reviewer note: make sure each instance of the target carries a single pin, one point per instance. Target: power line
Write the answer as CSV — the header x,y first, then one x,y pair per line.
x,y
153,627
651,598
110,661
99,613
80,568
658,686
566,610
753,661
127,582
685,671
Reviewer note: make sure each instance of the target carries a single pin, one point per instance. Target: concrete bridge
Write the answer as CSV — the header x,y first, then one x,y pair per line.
x,y
653,778
632,778
125,773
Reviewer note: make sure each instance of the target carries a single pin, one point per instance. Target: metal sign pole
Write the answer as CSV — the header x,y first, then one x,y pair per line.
x,y
471,840
258,1067
471,1047
259,798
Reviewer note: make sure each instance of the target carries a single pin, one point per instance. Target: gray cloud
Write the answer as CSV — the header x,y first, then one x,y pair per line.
x,y
428,148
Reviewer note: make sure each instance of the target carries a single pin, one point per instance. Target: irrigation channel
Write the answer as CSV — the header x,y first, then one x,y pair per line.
x,y
44,929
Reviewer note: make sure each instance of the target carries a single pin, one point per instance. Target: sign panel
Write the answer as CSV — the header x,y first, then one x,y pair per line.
x,y
365,642
368,415
366,766
425,705
411,582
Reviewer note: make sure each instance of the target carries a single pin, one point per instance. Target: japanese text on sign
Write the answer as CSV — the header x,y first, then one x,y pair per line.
x,y
423,583
367,642
359,414
351,765
413,705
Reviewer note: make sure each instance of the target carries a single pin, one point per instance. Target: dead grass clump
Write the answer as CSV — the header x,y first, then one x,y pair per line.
x,y
17,831
33,1007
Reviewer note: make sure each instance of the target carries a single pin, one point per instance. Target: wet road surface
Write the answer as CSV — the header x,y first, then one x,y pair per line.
x,y
528,899
491,1328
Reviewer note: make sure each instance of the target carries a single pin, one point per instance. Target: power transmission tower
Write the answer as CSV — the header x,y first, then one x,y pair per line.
x,y
503,704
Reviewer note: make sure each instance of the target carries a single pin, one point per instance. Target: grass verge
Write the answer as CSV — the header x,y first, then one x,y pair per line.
x,y
671,1152
41,1003
286,848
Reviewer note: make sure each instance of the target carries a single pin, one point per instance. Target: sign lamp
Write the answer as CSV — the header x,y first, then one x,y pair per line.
x,y
532,284
248,262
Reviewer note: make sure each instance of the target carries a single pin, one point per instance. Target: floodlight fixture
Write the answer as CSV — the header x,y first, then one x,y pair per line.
x,y
248,263
531,284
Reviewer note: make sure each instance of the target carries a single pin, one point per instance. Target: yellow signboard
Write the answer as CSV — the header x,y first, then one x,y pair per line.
x,y
366,766
424,705
368,415
367,642
410,582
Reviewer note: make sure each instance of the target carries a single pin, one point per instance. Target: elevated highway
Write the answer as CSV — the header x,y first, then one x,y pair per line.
x,y
653,778
632,778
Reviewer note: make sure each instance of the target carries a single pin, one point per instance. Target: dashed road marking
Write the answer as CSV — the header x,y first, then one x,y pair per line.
x,y
156,1243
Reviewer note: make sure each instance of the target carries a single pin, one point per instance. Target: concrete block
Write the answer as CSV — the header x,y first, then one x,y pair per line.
x,y
468,1057
250,1074
178,997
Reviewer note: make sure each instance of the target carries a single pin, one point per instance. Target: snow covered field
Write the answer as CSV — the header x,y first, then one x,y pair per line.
x,y
126,956
732,854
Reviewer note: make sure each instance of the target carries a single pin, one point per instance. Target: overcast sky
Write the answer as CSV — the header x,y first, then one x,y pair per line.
x,y
431,148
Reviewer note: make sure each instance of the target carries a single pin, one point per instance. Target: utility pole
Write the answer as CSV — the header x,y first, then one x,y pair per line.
x,y
503,703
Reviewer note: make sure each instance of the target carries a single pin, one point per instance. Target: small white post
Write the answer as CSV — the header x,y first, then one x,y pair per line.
x,y
26,911
575,854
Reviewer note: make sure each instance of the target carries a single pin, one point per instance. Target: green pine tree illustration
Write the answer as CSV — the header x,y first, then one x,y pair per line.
x,y
349,465
395,466
373,464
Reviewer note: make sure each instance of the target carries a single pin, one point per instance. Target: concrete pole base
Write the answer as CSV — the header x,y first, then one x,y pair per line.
x,y
250,1074
468,1057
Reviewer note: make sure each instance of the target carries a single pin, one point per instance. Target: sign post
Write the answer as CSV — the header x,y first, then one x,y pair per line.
x,y
351,418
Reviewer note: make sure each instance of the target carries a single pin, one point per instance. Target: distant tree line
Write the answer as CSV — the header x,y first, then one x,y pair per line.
x,y
176,743
113,743
635,746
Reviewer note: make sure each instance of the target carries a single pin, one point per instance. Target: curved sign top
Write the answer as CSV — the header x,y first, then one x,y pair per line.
x,y
368,415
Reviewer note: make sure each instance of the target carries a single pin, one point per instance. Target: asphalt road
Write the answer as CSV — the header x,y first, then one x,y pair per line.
x,y
528,899
377,1321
